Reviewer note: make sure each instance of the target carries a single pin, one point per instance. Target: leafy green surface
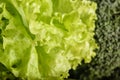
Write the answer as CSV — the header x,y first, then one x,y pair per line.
x,y
5,74
44,39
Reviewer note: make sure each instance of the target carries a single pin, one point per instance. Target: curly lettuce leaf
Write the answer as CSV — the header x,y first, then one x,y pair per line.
x,y
44,39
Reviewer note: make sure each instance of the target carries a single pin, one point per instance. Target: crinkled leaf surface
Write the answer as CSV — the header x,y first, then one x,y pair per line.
x,y
43,39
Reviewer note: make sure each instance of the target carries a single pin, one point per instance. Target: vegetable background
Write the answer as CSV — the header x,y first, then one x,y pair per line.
x,y
106,64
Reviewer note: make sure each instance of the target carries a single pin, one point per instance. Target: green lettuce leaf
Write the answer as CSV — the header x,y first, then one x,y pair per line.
x,y
44,39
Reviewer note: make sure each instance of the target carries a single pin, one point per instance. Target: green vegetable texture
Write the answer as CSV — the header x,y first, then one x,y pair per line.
x,y
44,39
106,64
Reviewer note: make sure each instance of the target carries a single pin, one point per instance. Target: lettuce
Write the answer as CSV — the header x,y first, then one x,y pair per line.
x,y
44,39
